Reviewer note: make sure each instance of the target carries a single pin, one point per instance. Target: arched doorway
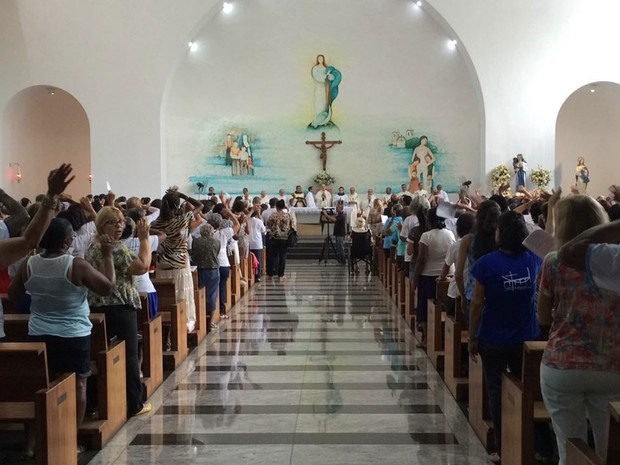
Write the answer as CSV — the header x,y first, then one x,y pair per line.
x,y
588,125
44,126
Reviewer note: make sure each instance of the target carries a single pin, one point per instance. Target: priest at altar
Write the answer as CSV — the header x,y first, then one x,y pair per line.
x,y
298,198
323,198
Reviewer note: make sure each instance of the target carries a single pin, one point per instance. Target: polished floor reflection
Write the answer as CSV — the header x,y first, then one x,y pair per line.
x,y
320,369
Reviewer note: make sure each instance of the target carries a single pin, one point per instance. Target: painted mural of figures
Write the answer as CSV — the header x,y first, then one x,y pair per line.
x,y
414,175
326,81
236,158
228,146
421,152
582,176
520,166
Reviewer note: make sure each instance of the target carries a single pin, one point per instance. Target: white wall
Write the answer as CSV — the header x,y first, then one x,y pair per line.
x,y
530,56
398,74
589,125
116,58
41,132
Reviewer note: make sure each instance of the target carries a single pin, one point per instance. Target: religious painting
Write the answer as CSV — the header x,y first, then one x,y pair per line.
x,y
422,161
327,80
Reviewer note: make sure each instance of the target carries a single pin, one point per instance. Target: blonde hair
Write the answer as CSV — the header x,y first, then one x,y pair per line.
x,y
107,214
575,214
133,202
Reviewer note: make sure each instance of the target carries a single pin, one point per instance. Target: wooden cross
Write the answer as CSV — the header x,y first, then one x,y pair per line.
x,y
323,146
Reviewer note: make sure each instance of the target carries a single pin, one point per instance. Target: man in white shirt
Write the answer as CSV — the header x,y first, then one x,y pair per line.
x,y
264,200
282,196
410,222
388,195
597,251
422,192
441,195
341,196
310,198
270,211
403,191
367,202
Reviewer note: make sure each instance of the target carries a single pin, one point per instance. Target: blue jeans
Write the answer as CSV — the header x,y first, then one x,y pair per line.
x,y
224,275
209,278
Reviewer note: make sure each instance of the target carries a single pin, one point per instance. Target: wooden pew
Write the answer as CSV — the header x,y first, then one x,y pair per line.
x,y
579,453
435,326
27,395
479,415
456,349
110,367
522,407
401,293
152,349
173,313
108,364
235,284
200,299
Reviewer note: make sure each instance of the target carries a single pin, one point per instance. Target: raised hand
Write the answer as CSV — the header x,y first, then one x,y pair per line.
x,y
107,245
57,180
143,229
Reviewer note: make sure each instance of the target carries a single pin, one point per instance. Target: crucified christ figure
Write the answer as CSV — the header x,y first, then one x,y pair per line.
x,y
323,145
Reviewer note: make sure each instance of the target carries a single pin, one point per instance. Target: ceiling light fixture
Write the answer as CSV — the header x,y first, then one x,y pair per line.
x,y
193,46
418,3
227,7
452,44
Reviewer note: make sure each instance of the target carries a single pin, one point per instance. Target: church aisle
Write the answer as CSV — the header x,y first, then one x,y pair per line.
x,y
320,369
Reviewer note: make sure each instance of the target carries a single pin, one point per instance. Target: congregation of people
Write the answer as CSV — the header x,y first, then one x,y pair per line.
x,y
65,258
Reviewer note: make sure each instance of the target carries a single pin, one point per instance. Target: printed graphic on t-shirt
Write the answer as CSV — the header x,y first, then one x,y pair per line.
x,y
513,283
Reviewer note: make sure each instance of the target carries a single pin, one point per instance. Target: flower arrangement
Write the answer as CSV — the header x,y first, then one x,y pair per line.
x,y
541,177
324,178
500,175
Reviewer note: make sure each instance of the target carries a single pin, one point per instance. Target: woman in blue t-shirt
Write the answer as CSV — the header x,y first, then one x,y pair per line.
x,y
503,310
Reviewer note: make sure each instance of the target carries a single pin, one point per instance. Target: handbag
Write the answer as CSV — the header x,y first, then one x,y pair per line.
x,y
291,241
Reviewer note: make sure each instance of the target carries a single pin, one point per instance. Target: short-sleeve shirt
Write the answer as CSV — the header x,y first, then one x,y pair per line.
x,y
438,241
143,281
603,266
585,328
257,229
391,234
125,291
510,295
205,252
279,224
172,253
340,226
4,231
225,236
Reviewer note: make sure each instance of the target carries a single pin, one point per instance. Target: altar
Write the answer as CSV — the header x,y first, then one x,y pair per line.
x,y
309,220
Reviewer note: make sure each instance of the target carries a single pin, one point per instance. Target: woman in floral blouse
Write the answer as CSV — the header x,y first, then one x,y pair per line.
x,y
580,372
120,307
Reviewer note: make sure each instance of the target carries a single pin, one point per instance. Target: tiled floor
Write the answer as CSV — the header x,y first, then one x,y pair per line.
x,y
318,370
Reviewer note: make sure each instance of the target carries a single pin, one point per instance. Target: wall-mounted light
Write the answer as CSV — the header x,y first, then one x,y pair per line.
x,y
51,90
90,178
16,172
227,7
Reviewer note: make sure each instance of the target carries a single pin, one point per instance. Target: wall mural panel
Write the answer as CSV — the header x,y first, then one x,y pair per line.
x,y
230,129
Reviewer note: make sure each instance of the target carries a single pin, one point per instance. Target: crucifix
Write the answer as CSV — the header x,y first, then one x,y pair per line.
x,y
323,145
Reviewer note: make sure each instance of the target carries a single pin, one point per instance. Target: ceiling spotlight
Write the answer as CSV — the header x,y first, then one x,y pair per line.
x,y
193,46
51,90
227,7
418,3
592,90
452,44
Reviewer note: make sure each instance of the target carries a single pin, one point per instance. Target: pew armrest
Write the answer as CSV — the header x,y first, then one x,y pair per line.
x,y
579,453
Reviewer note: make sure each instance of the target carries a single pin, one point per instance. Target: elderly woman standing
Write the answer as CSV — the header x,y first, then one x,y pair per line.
x,y
580,371
172,256
205,252
120,307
